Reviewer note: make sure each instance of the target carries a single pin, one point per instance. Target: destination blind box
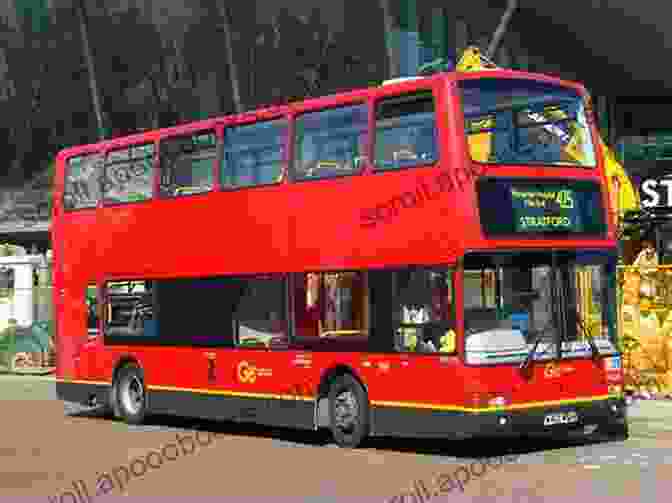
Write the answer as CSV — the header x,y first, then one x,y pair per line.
x,y
534,208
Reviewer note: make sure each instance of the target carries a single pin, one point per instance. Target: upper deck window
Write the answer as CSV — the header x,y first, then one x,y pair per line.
x,y
525,122
330,142
128,174
406,132
187,164
253,154
82,182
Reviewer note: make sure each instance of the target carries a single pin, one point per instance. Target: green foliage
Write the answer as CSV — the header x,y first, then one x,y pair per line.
x,y
33,14
154,74
629,343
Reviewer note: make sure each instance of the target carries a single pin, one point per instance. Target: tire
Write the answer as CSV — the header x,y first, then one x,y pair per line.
x,y
129,395
349,415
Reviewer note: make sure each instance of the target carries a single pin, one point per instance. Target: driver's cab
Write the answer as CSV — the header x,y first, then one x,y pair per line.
x,y
514,300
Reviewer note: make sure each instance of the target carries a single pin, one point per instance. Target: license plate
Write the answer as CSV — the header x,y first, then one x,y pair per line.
x,y
561,418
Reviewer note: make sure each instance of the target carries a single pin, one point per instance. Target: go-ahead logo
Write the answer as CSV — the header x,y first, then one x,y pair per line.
x,y
248,373
552,370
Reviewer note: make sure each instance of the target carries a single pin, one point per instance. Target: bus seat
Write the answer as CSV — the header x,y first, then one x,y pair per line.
x,y
425,143
480,146
502,137
448,342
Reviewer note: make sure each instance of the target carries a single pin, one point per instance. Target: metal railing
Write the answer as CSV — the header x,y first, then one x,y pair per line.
x,y
27,336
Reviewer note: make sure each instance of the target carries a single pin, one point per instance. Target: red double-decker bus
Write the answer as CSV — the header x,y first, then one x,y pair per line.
x,y
426,258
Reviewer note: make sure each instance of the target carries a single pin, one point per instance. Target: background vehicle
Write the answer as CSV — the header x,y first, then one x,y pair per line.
x,y
353,261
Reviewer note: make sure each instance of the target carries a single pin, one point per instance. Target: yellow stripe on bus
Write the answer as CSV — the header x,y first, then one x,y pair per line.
x,y
245,394
75,381
516,406
379,403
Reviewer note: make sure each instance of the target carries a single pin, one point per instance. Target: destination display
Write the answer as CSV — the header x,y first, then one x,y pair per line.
x,y
525,207
544,209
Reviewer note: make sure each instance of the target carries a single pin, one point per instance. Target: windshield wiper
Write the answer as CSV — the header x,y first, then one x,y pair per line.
x,y
595,351
536,341
528,359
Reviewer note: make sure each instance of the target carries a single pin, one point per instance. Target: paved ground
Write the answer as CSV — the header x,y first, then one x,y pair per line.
x,y
43,452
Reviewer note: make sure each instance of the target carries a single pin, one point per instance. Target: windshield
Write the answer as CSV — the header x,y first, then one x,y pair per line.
x,y
525,122
513,299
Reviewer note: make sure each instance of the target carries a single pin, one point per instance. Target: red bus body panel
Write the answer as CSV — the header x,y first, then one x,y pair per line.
x,y
318,225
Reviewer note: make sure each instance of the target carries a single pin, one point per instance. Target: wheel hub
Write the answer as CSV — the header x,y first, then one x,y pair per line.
x,y
132,395
346,411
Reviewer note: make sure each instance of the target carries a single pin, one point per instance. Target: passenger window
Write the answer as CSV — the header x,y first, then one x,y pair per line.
x,y
187,164
406,132
330,142
82,182
333,305
130,309
424,311
253,154
259,317
128,174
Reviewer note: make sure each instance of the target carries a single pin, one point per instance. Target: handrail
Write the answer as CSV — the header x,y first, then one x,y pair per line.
x,y
342,332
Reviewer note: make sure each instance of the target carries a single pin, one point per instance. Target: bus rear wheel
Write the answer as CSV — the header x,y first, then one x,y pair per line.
x,y
130,394
348,411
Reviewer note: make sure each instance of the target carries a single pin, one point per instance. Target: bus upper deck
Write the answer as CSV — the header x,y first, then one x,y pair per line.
x,y
336,169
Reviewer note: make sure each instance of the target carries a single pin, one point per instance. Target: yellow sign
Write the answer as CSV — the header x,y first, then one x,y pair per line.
x,y
248,373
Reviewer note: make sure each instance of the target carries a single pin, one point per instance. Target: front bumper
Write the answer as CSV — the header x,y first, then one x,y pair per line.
x,y
606,414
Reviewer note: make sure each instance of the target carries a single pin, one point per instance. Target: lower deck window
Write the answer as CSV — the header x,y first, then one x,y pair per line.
x,y
214,311
423,308
402,310
407,310
259,314
130,309
333,304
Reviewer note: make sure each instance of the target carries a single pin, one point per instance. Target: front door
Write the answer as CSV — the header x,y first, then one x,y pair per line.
x,y
265,373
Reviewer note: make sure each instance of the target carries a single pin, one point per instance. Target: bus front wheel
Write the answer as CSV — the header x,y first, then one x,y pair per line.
x,y
130,394
348,411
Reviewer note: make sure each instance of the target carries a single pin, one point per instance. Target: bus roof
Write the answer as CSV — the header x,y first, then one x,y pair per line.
x,y
392,86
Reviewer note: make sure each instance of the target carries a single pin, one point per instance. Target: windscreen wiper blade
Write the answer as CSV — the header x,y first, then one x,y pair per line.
x,y
595,351
528,359
538,336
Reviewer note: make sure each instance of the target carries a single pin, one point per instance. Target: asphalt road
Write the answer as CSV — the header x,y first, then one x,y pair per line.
x,y
44,452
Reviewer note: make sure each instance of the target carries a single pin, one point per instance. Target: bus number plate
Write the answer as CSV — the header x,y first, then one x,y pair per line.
x,y
561,418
